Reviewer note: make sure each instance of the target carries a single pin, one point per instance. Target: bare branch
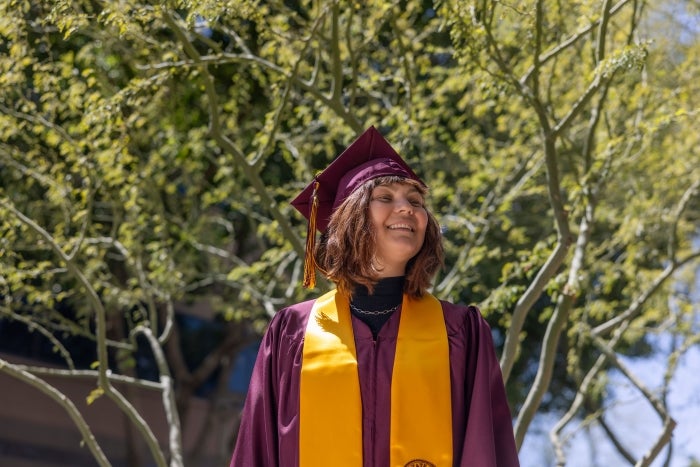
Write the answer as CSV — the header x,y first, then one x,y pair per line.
x,y
64,402
555,327
88,374
32,325
668,423
168,396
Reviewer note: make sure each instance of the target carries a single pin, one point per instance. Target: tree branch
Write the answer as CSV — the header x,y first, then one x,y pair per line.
x,y
100,334
555,326
31,325
168,396
64,402
668,423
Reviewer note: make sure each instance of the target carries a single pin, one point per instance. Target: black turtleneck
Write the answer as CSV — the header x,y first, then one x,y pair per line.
x,y
388,293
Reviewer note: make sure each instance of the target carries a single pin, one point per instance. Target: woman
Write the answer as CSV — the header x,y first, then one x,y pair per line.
x,y
377,372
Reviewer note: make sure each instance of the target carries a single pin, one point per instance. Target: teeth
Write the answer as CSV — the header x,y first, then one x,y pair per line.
x,y
401,226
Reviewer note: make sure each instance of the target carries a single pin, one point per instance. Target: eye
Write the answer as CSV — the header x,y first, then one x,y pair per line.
x,y
418,203
384,198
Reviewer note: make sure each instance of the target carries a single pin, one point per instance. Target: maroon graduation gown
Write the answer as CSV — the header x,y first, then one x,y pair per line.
x,y
481,420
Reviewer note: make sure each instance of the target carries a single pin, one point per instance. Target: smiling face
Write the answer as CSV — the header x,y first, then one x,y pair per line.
x,y
365,239
399,218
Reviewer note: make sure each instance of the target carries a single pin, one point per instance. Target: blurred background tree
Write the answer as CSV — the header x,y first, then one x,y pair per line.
x,y
149,152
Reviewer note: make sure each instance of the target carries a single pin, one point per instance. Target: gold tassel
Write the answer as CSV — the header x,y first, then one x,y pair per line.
x,y
309,260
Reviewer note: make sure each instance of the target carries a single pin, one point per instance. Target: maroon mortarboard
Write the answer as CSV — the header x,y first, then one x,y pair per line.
x,y
368,157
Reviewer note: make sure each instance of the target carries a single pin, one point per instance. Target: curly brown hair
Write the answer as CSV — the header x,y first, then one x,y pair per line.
x,y
345,251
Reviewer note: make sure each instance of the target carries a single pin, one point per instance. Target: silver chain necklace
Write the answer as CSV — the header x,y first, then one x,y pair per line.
x,y
373,313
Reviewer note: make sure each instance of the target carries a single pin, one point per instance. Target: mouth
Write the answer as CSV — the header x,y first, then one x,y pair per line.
x,y
401,227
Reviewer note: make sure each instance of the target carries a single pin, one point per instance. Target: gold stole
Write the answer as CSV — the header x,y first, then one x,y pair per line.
x,y
330,418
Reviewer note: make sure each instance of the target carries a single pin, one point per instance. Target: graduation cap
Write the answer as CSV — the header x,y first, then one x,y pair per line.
x,y
368,157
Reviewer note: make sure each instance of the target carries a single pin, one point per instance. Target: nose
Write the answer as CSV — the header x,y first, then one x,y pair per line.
x,y
403,205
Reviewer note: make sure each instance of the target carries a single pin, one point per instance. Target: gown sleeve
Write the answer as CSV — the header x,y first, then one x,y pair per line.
x,y
488,438
268,433
255,443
